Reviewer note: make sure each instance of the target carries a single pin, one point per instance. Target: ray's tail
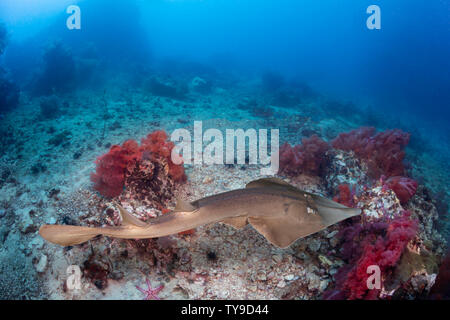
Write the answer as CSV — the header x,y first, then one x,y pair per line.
x,y
130,228
68,235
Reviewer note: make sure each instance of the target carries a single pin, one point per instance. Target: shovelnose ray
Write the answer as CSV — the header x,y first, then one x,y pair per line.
x,y
277,210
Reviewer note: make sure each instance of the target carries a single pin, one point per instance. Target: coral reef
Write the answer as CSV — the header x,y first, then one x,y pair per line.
x,y
377,202
307,158
383,152
380,243
379,154
137,166
344,168
148,182
363,169
157,144
403,187
345,195
403,243
424,209
109,177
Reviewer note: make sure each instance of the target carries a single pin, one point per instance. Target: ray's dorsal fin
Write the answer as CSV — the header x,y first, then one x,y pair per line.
x,y
273,183
266,182
128,218
184,206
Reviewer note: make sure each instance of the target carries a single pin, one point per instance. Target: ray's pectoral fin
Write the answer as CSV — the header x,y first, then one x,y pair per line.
x,y
300,218
236,222
297,221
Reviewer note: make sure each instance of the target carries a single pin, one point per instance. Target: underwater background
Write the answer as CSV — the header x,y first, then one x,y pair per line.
x,y
363,117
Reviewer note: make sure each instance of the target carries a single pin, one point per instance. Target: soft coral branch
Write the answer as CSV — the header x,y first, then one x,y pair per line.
x,y
383,152
404,188
157,144
110,175
379,243
308,157
345,196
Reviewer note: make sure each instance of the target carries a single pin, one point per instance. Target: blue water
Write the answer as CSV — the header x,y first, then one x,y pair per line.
x,y
402,68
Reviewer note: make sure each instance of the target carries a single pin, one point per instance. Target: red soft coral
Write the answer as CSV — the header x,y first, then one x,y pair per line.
x,y
156,143
345,196
355,140
308,158
403,187
379,243
109,176
383,152
111,170
177,172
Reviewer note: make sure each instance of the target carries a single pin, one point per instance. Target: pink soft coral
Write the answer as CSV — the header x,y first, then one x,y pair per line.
x,y
308,158
378,243
385,253
403,187
383,152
